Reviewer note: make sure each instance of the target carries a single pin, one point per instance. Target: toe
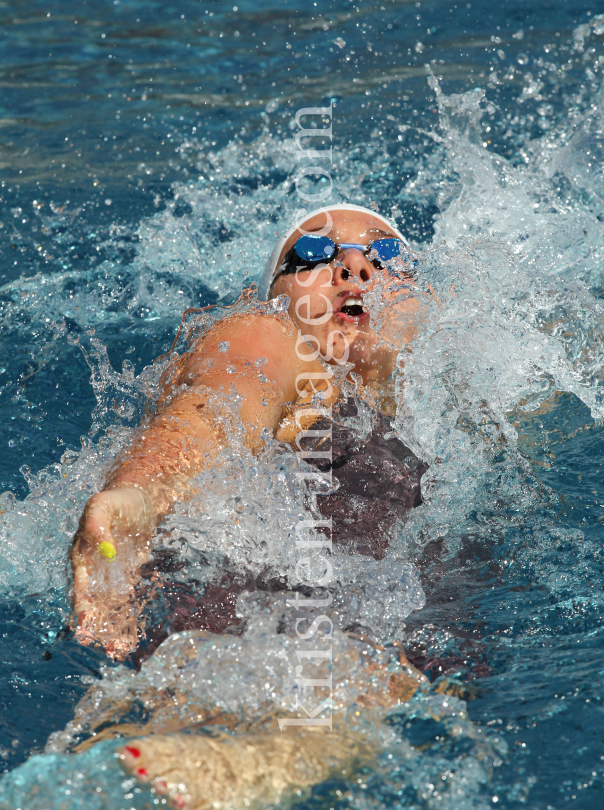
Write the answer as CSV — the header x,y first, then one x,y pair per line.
x,y
134,760
130,756
161,786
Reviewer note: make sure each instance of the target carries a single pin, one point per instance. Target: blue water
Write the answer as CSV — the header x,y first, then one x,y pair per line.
x,y
146,166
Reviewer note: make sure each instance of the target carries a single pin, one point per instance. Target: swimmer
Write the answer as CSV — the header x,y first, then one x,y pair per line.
x,y
325,266
326,294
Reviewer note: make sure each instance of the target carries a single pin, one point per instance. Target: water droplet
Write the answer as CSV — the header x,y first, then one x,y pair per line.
x,y
223,346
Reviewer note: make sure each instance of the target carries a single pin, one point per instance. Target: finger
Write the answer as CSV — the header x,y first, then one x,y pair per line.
x,y
118,637
86,621
83,636
118,648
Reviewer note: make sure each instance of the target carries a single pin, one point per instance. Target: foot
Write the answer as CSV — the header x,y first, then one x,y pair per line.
x,y
221,772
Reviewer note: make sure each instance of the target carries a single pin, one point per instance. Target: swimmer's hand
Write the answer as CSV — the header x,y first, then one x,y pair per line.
x,y
112,542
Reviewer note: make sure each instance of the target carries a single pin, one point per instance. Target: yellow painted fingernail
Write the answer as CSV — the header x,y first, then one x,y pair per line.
x,y
108,551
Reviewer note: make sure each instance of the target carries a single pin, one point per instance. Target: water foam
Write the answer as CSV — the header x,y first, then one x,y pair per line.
x,y
515,266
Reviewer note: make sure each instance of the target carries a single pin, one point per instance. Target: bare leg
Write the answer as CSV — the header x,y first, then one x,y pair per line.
x,y
224,772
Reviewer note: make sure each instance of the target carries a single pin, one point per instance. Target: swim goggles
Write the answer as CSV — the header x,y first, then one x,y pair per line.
x,y
311,251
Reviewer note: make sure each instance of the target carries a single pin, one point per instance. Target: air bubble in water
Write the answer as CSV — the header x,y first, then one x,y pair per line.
x,y
223,346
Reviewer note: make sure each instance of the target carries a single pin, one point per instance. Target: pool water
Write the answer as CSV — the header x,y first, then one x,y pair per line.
x,y
147,165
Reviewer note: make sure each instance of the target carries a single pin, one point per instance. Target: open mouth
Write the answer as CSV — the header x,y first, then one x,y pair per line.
x,y
351,305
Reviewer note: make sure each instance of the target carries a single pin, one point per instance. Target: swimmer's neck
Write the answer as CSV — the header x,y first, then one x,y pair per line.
x,y
377,387
377,370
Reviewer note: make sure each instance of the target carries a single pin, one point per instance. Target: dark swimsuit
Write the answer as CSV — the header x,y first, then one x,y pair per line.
x,y
379,483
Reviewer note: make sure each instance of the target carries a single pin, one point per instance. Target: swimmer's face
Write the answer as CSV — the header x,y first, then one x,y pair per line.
x,y
325,302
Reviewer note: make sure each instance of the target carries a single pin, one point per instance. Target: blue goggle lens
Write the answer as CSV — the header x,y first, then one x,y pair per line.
x,y
313,249
387,248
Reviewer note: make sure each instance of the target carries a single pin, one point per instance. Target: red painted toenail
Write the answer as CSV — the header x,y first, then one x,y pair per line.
x,y
132,750
179,801
142,772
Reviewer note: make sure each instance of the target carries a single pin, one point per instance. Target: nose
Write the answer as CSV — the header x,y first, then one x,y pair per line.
x,y
351,263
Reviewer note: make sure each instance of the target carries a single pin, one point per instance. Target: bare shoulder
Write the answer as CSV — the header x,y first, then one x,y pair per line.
x,y
249,332
255,337
250,344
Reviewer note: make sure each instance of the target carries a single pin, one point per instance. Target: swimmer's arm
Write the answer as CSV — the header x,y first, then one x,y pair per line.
x,y
184,438
187,435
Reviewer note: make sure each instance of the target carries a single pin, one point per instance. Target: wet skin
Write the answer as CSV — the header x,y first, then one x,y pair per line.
x,y
316,293
185,436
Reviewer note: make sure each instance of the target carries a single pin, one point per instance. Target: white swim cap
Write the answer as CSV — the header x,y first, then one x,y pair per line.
x,y
270,272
